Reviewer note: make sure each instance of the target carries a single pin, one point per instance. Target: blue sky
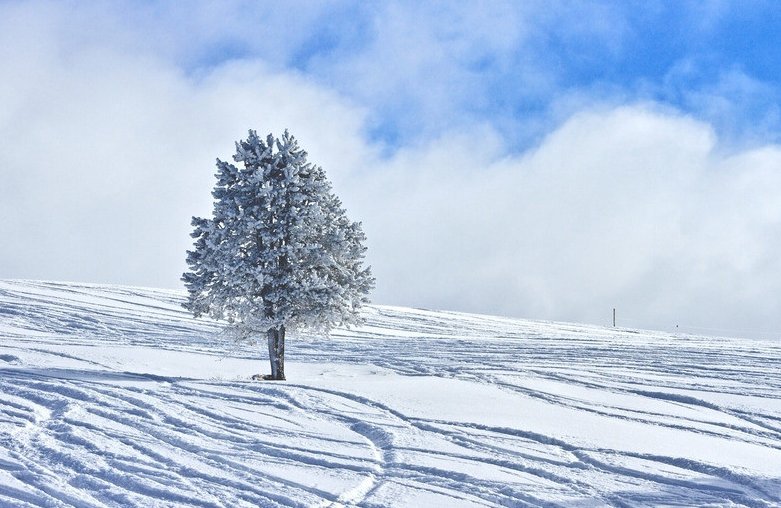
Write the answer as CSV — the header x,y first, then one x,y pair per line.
x,y
548,160
421,67
523,67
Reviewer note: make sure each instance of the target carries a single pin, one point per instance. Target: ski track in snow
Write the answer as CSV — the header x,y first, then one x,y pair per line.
x,y
114,396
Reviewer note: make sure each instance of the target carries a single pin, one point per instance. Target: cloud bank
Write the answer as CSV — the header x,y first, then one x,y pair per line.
x,y
630,207
611,198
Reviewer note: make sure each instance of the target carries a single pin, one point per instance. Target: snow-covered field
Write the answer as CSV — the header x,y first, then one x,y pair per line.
x,y
114,396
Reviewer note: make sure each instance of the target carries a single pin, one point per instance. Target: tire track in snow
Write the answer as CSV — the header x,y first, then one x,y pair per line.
x,y
733,487
736,488
87,422
742,491
122,439
450,481
766,435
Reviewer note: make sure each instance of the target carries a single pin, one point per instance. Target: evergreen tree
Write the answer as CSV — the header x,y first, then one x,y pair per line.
x,y
279,252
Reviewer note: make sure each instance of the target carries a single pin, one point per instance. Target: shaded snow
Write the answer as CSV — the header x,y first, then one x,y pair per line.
x,y
113,396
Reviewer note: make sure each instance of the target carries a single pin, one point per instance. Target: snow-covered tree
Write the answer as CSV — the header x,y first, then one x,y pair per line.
x,y
279,252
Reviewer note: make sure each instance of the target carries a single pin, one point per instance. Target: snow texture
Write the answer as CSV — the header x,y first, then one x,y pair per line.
x,y
116,397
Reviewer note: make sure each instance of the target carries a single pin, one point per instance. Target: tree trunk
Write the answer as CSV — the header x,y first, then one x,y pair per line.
x,y
276,353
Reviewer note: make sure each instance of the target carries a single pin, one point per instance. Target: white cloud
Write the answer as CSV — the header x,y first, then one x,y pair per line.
x,y
108,153
109,149
631,207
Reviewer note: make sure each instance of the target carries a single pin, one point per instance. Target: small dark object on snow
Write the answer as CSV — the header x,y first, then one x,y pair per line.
x,y
261,377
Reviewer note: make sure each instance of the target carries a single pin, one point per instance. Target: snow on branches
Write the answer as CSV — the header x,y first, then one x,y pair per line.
x,y
279,251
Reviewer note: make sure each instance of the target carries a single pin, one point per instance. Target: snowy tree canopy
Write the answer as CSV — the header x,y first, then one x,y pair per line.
x,y
279,251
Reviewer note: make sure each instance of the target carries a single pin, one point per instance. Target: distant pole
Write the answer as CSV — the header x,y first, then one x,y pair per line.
x,y
614,318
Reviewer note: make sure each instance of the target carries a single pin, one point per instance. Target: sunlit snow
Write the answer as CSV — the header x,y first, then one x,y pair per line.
x,y
115,396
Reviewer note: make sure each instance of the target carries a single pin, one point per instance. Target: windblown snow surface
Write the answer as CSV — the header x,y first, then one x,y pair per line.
x,y
115,396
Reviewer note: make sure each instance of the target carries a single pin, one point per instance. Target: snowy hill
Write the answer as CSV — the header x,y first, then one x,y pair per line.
x,y
114,396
